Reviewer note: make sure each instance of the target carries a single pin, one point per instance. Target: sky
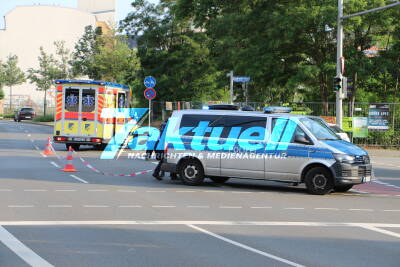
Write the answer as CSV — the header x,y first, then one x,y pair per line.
x,y
122,6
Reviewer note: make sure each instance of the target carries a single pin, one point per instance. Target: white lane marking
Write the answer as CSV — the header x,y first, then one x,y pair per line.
x,y
96,206
54,164
245,223
43,155
65,190
21,250
239,192
212,191
382,231
35,190
260,207
155,191
158,206
155,163
126,191
361,209
59,206
79,179
230,241
326,208
5,190
29,135
21,206
97,190
391,210
293,208
185,191
31,140
130,206
36,147
198,207
230,207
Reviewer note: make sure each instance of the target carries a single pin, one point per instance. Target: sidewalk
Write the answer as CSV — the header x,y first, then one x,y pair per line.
x,y
388,153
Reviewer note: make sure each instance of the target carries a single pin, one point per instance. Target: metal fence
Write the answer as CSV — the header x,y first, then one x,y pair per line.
x,y
390,138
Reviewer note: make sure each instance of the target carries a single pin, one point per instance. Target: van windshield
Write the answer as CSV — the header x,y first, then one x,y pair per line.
x,y
320,130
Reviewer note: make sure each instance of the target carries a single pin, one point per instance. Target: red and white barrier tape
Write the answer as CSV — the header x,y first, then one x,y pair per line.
x,y
87,164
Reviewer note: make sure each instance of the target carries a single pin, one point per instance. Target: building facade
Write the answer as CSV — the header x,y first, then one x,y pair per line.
x,y
27,28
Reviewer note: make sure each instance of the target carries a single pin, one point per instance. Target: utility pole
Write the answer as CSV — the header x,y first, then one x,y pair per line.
x,y
339,55
230,75
339,93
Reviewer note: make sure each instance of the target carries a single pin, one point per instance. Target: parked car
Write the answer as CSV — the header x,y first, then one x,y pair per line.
x,y
24,114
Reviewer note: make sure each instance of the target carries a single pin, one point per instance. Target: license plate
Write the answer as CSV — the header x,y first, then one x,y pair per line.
x,y
366,179
79,139
27,117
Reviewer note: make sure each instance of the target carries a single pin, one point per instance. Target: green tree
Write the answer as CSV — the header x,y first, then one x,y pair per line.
x,y
174,52
44,76
82,61
2,80
13,75
115,61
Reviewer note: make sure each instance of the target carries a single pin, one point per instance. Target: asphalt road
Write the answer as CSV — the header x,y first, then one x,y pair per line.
x,y
53,218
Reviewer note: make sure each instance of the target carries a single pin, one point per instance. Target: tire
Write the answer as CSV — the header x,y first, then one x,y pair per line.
x,y
191,172
318,181
219,180
343,188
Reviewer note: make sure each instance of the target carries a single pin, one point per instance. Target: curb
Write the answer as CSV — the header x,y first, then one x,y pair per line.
x,y
38,123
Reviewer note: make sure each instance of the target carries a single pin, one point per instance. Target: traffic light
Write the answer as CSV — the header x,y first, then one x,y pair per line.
x,y
337,83
344,86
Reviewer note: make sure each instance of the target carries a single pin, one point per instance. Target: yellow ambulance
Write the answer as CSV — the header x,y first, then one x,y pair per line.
x,y
79,105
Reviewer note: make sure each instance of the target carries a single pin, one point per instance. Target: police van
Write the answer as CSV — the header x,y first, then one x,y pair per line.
x,y
223,144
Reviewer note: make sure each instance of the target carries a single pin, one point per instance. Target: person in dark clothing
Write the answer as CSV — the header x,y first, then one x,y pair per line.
x,y
158,174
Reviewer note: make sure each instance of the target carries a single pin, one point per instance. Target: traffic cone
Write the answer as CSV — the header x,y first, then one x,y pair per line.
x,y
69,167
47,150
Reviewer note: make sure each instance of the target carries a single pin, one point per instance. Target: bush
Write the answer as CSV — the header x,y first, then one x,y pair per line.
x,y
8,116
47,118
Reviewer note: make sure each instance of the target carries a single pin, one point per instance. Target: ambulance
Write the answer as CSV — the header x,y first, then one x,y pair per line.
x,y
78,116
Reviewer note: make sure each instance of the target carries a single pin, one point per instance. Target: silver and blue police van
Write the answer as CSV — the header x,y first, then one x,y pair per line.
x,y
224,144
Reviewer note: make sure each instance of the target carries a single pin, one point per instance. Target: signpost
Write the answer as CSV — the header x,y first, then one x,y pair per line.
x,y
150,93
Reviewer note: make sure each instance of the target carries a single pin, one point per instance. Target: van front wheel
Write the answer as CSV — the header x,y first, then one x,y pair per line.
x,y
318,181
191,172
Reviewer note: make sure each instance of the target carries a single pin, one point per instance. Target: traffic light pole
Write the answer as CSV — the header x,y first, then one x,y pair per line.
x,y
339,55
339,93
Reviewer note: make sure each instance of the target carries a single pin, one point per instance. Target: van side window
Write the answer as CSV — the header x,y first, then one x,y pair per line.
x,y
285,130
245,122
190,120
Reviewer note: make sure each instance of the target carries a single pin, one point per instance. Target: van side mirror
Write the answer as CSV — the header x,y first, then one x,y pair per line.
x,y
301,139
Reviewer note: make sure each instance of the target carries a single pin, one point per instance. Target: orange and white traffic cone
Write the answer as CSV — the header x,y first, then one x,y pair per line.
x,y
69,167
47,150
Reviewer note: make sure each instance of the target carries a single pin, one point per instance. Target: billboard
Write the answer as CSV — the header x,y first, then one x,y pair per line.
x,y
378,117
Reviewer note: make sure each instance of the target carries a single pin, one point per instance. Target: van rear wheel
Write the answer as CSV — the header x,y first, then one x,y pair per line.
x,y
318,181
191,172
219,180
